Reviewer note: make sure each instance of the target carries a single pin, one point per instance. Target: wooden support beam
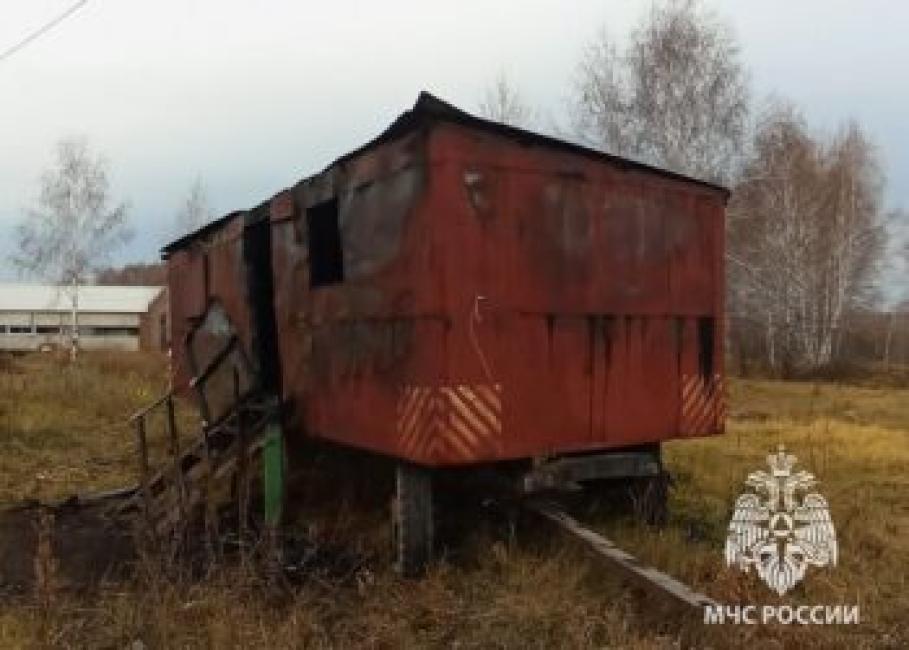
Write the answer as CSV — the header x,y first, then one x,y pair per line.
x,y
176,460
242,478
151,407
648,577
273,472
142,448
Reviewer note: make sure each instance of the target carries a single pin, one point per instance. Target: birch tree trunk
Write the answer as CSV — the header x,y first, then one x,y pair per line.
x,y
74,321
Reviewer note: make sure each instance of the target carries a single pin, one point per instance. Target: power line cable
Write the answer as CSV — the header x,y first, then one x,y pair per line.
x,y
38,33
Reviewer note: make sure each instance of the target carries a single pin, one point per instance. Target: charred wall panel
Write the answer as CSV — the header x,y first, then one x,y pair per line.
x,y
186,281
227,275
347,347
226,269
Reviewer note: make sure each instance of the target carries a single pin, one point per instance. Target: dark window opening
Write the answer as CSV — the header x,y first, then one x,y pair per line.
x,y
326,262
20,329
114,331
48,329
108,331
705,343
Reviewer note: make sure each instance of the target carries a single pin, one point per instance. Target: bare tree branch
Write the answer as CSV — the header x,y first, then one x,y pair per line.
x,y
503,103
675,96
195,211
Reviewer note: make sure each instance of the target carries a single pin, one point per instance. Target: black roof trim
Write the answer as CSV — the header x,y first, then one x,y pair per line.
x,y
429,108
210,227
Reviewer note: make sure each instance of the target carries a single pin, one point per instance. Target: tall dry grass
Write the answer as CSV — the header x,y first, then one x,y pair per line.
x,y
493,589
63,426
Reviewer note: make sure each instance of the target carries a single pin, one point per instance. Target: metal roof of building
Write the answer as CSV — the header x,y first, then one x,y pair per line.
x,y
92,298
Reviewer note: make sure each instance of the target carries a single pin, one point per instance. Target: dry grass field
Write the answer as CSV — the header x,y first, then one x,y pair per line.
x,y
496,588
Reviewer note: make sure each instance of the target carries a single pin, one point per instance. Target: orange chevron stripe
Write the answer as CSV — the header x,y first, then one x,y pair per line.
x,y
703,404
490,411
460,420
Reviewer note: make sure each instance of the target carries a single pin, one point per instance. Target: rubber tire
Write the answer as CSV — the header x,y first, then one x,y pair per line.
x,y
412,519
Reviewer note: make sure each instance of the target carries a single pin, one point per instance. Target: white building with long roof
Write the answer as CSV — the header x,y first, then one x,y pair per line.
x,y
38,317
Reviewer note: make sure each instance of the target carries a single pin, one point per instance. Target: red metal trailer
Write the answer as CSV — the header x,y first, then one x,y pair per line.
x,y
458,293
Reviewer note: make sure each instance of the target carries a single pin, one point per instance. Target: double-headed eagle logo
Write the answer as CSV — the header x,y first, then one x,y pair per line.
x,y
774,532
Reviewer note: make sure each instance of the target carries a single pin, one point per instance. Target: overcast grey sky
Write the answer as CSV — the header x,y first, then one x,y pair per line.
x,y
251,96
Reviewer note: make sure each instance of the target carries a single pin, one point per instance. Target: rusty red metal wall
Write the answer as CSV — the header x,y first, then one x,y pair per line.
x,y
501,301
208,270
587,296
186,293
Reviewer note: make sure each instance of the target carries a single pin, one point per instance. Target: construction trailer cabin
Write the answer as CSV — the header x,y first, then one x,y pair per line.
x,y
459,293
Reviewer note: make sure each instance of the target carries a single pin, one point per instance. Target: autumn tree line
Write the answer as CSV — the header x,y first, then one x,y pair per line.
x,y
808,236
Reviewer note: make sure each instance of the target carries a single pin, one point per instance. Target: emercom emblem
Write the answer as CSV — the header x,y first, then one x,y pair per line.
x,y
776,532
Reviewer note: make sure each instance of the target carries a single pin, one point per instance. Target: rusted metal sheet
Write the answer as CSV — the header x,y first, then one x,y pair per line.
x,y
186,293
215,278
458,292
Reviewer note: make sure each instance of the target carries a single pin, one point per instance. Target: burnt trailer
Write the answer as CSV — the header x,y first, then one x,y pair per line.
x,y
457,294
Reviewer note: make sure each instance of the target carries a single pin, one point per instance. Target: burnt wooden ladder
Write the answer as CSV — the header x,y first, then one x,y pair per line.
x,y
166,498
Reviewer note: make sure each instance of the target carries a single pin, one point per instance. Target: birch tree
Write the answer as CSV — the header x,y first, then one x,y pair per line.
x,y
195,211
674,95
898,222
73,227
852,237
503,103
805,238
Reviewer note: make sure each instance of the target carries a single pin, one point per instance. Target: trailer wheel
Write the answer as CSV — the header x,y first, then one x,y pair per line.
x,y
412,519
